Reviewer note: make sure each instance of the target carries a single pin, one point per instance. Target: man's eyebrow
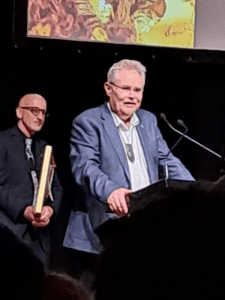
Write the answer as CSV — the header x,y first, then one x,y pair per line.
x,y
135,87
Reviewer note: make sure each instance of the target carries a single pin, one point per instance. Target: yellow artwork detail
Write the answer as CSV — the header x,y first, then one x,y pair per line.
x,y
41,30
145,22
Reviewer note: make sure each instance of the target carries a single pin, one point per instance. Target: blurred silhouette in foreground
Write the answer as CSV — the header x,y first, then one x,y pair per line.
x,y
24,277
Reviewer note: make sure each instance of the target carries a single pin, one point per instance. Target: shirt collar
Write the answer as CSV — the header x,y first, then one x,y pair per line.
x,y
133,122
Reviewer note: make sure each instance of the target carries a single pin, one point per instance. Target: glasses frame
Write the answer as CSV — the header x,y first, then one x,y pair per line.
x,y
31,109
127,89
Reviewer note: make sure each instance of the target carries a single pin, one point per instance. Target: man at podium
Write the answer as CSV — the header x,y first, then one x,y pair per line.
x,y
116,149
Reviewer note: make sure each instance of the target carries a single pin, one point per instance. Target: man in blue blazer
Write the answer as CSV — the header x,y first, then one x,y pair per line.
x,y
16,185
115,149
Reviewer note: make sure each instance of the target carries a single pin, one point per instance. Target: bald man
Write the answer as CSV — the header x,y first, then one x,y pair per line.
x,y
17,182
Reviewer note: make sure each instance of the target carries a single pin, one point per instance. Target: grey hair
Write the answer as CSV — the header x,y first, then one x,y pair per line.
x,y
127,65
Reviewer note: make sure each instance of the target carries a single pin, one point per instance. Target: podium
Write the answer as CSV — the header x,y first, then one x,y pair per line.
x,y
172,245
157,192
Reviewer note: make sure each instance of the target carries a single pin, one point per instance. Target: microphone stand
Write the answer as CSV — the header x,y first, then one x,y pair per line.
x,y
222,170
187,137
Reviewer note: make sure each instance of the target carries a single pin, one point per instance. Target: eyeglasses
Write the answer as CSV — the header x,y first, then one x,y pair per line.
x,y
127,89
36,111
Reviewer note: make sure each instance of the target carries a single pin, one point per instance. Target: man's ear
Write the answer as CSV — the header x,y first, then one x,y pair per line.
x,y
19,113
108,88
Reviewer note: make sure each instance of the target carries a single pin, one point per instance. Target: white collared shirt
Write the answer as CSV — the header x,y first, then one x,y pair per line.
x,y
138,169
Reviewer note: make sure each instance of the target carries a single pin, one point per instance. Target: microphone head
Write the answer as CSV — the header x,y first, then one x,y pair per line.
x,y
180,122
163,116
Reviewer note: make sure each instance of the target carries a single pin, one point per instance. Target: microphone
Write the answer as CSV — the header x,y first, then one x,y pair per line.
x,y
181,123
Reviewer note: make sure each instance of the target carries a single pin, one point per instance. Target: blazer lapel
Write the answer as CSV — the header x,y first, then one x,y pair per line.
x,y
17,145
114,137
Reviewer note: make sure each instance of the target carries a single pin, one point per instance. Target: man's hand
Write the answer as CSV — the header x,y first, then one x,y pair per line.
x,y
117,201
29,213
42,220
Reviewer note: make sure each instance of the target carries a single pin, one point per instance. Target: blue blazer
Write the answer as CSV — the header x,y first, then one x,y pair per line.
x,y
99,166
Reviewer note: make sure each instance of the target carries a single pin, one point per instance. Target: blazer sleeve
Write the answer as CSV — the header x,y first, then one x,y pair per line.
x,y
86,158
175,167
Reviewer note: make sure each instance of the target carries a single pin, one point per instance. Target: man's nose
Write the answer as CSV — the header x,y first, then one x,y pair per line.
x,y
132,93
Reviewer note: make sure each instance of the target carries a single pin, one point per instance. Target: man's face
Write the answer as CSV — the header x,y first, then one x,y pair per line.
x,y
125,94
30,119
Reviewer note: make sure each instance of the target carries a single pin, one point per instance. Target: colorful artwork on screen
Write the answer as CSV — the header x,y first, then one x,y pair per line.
x,y
167,23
